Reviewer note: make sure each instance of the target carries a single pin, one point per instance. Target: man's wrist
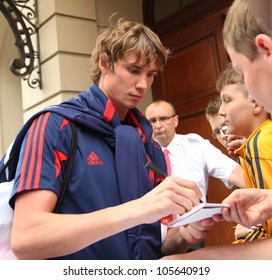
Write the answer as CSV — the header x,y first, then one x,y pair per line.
x,y
174,243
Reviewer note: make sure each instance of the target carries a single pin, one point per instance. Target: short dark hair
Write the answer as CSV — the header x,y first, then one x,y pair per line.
x,y
213,106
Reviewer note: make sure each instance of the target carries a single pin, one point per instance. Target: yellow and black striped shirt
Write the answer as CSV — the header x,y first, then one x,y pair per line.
x,y
256,161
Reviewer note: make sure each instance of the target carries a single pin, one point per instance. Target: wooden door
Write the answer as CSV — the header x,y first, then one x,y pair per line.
x,y
198,55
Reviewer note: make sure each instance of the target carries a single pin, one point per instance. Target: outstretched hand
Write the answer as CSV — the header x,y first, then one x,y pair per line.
x,y
196,232
179,239
248,207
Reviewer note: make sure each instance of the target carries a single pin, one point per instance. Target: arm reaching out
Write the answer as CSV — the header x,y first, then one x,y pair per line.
x,y
34,221
178,239
255,250
248,206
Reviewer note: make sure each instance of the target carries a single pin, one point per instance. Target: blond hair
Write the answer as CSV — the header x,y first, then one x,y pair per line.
x,y
123,37
240,29
230,77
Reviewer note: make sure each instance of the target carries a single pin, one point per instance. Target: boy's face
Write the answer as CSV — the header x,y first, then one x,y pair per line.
x,y
257,76
237,110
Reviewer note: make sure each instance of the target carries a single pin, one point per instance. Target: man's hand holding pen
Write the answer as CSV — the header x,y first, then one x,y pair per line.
x,y
151,166
182,200
173,195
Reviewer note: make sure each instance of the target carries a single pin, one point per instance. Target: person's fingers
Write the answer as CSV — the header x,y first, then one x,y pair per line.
x,y
226,214
188,184
218,218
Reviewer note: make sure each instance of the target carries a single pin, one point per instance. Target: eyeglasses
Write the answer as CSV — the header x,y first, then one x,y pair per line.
x,y
216,132
162,119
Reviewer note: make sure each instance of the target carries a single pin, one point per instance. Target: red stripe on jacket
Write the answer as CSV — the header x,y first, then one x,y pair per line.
x,y
33,135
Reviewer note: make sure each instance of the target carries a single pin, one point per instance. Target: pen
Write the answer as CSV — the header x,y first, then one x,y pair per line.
x,y
151,166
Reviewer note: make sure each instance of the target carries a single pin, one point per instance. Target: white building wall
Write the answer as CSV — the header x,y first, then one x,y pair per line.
x,y
68,30
11,113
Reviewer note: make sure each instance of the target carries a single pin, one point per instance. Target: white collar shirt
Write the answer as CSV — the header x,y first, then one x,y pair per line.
x,y
194,158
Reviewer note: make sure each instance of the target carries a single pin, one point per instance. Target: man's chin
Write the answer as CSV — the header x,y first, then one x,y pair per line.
x,y
160,140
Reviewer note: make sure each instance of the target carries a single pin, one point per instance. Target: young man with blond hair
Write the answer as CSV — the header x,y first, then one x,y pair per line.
x,y
248,41
112,206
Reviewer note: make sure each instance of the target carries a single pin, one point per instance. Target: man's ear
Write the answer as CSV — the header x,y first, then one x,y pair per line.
x,y
103,62
264,45
176,120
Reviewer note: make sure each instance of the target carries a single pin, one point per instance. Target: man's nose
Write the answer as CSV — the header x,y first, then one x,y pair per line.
x,y
221,110
142,82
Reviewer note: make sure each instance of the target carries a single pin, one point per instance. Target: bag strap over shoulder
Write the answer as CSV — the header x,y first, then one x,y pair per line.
x,y
12,155
70,163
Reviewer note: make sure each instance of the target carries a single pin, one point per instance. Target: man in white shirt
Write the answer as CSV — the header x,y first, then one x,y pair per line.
x,y
191,156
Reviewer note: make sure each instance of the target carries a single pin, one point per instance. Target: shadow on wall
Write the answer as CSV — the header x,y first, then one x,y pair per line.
x,y
11,113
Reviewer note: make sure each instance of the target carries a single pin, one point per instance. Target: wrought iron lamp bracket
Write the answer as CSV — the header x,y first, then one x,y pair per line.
x,y
22,19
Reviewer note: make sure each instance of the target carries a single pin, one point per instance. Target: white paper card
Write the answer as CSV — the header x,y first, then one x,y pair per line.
x,y
198,213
